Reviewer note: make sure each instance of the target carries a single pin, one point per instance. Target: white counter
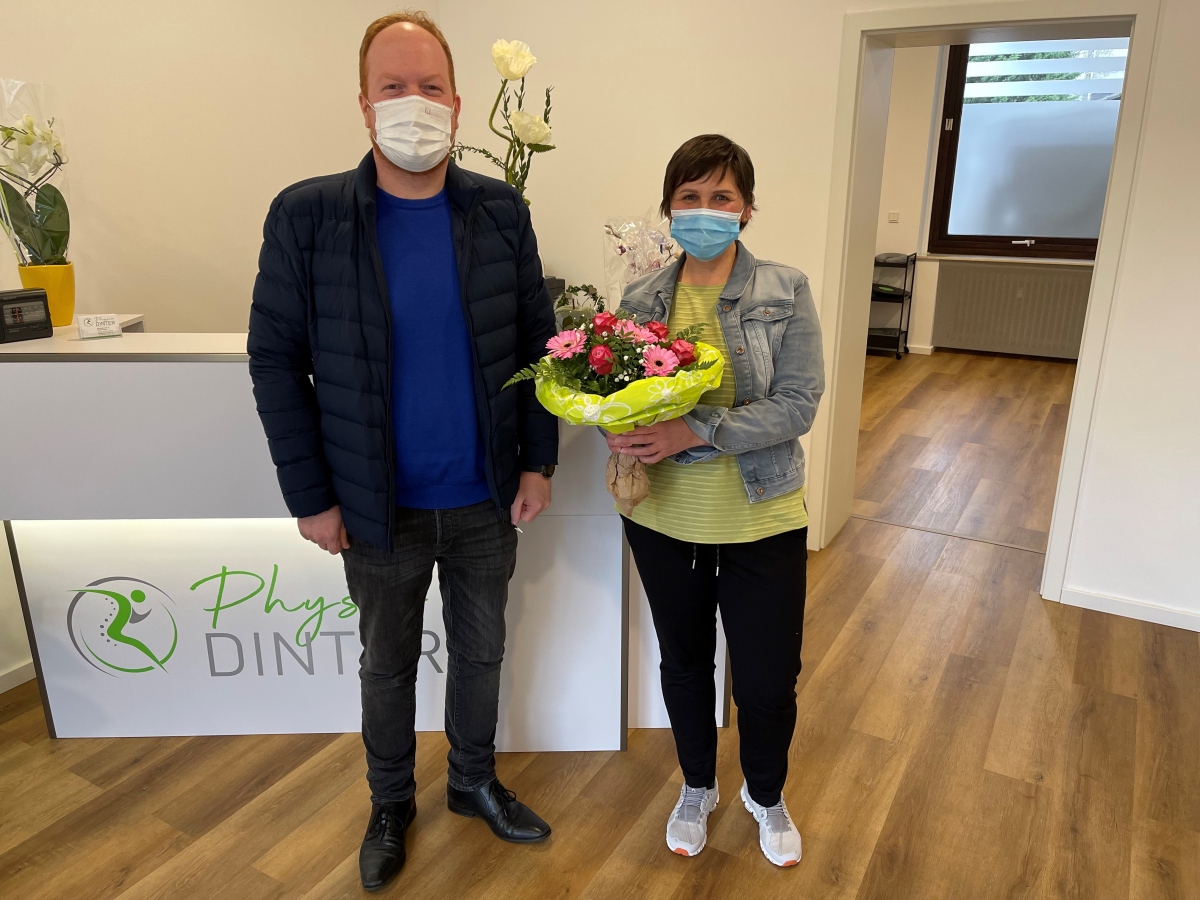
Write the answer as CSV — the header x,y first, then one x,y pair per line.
x,y
148,346
161,428
137,426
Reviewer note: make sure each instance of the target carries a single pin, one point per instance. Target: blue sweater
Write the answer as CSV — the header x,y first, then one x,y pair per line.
x,y
439,455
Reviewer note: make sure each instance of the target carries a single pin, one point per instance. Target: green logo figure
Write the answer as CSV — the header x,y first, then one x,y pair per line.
x,y
117,611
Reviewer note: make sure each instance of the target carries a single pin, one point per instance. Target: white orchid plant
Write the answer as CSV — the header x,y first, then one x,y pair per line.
x,y
525,134
33,211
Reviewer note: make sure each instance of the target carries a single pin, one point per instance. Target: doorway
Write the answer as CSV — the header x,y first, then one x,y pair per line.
x,y
995,169
869,42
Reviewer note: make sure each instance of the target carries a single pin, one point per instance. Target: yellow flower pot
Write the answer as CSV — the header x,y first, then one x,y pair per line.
x,y
59,284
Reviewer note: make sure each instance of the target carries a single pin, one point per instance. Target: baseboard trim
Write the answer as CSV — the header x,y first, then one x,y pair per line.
x,y
920,349
16,676
1189,620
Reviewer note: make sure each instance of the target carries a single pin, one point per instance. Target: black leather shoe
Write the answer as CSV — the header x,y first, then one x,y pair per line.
x,y
381,855
509,819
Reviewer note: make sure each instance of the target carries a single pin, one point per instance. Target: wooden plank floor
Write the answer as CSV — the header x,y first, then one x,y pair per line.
x,y
963,443
957,737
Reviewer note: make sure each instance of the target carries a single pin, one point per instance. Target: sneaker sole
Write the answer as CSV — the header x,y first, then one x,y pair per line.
x,y
784,864
683,851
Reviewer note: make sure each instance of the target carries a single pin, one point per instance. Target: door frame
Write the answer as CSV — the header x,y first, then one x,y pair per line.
x,y
863,93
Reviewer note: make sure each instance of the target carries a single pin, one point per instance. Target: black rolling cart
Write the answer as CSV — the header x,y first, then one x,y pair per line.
x,y
885,290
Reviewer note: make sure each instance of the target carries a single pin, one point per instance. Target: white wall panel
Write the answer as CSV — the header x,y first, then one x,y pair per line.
x,y
240,657
122,440
646,706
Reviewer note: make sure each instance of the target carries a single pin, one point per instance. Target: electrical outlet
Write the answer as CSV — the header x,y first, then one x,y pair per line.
x,y
893,218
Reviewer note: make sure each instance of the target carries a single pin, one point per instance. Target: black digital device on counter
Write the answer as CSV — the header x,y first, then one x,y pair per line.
x,y
24,316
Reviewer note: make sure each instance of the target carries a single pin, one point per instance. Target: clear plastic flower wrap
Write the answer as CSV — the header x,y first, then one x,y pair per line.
x,y
33,201
634,246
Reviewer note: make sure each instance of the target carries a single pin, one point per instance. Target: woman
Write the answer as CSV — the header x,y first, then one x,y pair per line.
x,y
725,526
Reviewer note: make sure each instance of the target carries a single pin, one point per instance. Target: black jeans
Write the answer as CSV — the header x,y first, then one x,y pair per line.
x,y
475,549
760,591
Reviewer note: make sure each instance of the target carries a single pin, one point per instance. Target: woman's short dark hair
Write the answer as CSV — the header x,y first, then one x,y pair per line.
x,y
702,156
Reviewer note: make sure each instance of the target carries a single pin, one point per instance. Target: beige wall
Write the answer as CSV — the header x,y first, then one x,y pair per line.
x,y
1136,536
182,121
633,80
907,182
913,103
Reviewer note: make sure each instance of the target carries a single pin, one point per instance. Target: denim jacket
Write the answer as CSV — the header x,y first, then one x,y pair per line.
x,y
767,315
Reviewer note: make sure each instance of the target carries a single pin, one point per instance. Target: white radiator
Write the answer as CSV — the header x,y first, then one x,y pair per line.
x,y
1025,308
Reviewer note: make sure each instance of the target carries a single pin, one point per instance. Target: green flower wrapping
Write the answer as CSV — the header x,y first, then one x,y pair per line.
x,y
643,402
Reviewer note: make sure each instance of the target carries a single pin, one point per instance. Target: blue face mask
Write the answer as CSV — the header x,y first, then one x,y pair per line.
x,y
705,233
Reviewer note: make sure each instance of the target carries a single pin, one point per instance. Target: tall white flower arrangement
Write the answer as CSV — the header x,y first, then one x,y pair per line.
x,y
524,133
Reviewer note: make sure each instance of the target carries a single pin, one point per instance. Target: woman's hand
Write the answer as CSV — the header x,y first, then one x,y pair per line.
x,y
650,443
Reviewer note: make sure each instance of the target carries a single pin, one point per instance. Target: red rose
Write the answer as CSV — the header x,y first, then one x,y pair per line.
x,y
685,351
601,358
659,330
604,323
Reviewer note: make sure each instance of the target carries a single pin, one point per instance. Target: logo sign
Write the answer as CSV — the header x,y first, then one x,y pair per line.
x,y
107,325
239,626
123,625
225,627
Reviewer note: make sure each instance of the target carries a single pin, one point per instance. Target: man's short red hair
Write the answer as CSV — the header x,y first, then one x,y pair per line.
x,y
412,16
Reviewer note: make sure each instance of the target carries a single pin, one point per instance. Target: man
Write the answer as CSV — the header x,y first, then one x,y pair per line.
x,y
392,303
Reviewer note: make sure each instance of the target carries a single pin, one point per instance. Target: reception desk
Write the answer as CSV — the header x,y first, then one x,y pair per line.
x,y
166,590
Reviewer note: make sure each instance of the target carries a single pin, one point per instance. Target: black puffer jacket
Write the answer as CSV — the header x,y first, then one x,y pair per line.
x,y
321,350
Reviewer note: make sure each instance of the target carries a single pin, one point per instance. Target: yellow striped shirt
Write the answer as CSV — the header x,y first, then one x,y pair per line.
x,y
706,503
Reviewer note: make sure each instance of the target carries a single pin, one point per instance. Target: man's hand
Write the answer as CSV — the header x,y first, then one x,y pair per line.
x,y
533,497
650,443
325,530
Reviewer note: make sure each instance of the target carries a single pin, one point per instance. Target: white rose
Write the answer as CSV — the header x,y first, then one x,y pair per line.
x,y
513,59
530,129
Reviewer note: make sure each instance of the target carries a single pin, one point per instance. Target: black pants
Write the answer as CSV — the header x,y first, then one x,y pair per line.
x,y
760,592
475,548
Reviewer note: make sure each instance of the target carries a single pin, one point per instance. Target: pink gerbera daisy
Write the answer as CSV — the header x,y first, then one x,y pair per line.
x,y
659,361
567,344
627,326
636,332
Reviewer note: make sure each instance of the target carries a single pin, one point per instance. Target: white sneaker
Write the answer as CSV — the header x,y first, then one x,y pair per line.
x,y
687,829
777,834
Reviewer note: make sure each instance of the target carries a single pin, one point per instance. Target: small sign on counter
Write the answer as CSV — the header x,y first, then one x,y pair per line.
x,y
99,326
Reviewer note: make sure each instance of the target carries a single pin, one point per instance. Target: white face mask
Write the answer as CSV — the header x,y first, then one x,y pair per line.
x,y
413,131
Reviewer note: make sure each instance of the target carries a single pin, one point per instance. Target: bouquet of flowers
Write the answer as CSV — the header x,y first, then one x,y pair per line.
x,y
612,372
